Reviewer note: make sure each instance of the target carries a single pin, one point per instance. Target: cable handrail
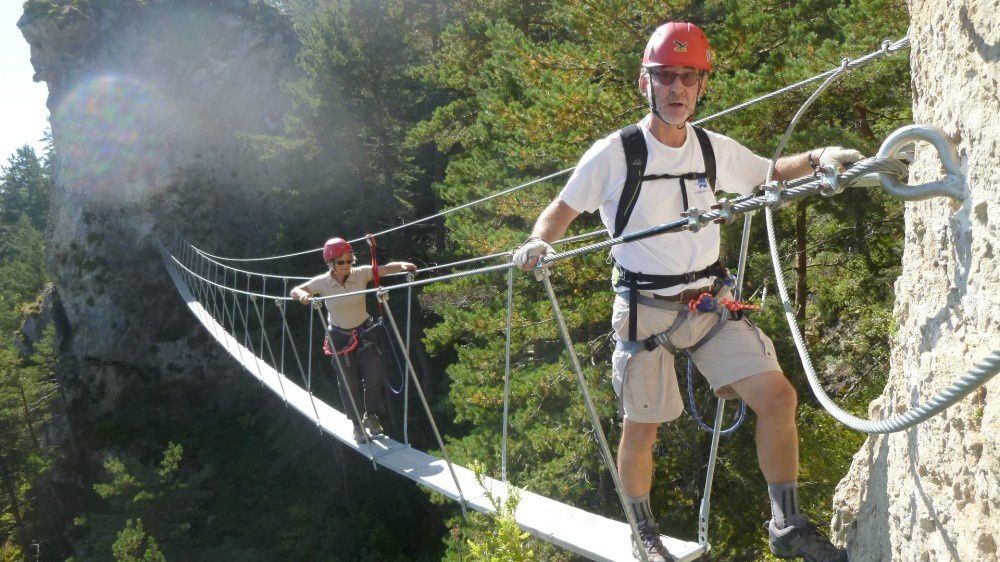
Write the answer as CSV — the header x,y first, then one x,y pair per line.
x,y
796,189
465,261
887,48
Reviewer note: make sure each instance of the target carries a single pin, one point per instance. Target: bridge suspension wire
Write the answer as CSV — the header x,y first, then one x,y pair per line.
x,y
887,48
465,261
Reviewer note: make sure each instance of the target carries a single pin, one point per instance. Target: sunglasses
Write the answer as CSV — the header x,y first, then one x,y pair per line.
x,y
352,260
667,77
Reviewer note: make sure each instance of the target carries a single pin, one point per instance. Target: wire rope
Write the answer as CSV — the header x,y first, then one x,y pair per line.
x,y
888,48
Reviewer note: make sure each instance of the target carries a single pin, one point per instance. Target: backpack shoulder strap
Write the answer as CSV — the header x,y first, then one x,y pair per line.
x,y
707,154
635,162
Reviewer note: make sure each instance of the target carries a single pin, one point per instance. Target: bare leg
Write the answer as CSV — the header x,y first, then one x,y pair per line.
x,y
773,399
635,457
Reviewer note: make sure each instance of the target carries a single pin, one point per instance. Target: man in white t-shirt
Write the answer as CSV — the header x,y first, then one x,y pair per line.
x,y
352,333
657,278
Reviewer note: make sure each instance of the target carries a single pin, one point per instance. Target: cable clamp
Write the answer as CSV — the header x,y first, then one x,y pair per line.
x,y
724,208
693,216
829,181
772,194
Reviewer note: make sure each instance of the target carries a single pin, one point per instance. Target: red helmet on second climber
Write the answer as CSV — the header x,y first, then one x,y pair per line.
x,y
334,248
678,43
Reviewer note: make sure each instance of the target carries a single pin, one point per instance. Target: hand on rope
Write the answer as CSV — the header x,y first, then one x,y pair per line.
x,y
836,157
526,257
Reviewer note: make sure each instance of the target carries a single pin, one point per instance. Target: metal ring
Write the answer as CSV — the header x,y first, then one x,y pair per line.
x,y
951,185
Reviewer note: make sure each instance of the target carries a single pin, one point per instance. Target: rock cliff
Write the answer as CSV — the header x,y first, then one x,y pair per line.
x,y
150,102
933,493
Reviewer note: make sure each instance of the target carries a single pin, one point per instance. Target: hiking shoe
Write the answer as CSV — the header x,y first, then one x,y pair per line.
x,y
372,425
651,543
803,540
359,435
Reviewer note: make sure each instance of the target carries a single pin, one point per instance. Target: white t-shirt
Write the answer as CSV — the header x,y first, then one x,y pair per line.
x,y
599,178
348,312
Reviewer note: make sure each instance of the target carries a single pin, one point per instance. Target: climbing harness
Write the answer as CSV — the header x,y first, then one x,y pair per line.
x,y
636,154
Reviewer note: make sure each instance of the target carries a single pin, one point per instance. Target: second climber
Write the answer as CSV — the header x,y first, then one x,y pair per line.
x,y
352,333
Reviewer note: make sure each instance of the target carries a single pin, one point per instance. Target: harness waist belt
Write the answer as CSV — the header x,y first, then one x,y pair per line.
x,y
648,281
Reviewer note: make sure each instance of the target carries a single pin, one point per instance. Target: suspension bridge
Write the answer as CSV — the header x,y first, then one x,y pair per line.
x,y
238,306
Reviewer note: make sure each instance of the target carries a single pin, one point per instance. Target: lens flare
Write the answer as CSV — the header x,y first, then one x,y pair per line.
x,y
111,132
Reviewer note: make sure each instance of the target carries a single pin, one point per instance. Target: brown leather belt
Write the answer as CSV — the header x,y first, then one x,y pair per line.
x,y
682,297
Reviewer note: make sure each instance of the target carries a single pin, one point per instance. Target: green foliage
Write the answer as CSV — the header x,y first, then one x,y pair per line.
x,y
24,188
135,545
495,538
164,495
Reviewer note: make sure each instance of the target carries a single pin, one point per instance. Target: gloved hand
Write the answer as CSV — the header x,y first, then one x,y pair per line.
x,y
838,157
527,255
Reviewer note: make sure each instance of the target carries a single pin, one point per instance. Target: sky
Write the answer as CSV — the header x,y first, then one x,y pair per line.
x,y
23,115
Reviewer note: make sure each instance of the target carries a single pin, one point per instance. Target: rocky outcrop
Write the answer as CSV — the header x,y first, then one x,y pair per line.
x,y
933,493
151,104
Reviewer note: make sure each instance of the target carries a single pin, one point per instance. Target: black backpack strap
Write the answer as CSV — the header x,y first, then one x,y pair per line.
x,y
707,154
635,162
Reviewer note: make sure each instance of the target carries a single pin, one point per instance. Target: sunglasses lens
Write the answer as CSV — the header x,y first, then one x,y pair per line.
x,y
667,77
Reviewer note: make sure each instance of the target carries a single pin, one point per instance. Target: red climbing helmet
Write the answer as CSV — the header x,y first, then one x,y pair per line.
x,y
334,248
678,43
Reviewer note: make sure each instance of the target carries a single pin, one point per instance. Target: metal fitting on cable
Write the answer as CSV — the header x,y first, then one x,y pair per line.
x,y
280,304
772,194
885,47
951,185
725,210
829,180
693,216
541,270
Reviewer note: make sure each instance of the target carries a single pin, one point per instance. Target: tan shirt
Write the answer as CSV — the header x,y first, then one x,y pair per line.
x,y
348,312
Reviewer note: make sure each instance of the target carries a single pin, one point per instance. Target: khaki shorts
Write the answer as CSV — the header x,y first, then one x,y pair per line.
x,y
651,393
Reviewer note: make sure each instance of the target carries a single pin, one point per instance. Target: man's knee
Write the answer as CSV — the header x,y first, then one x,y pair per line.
x,y
638,436
770,394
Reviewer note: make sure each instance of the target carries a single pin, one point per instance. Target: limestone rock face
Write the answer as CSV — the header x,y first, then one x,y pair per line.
x,y
933,493
148,98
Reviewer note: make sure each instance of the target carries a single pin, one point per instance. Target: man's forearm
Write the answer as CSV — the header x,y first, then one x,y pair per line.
x,y
554,220
795,166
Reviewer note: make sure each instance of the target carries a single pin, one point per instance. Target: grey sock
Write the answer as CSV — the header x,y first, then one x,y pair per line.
x,y
784,502
640,508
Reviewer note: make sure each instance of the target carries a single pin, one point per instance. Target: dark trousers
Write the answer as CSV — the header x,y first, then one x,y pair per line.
x,y
364,371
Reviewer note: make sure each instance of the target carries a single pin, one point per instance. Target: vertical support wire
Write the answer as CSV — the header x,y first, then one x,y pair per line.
x,y
347,390
706,497
200,289
423,399
309,363
281,306
295,353
240,313
602,441
246,311
506,373
406,380
266,343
